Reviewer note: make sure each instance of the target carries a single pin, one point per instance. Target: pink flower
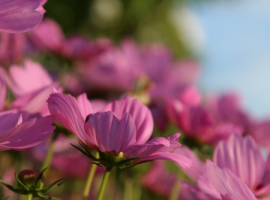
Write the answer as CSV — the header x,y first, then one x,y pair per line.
x,y
19,15
121,130
227,108
47,35
239,170
31,84
197,122
227,185
18,132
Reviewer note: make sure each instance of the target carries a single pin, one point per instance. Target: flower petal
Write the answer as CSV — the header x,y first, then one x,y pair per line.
x,y
140,113
225,182
67,113
84,105
28,133
242,157
113,135
19,15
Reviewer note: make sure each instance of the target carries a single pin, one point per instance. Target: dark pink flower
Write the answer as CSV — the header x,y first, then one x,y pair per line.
x,y
197,121
122,129
12,48
19,15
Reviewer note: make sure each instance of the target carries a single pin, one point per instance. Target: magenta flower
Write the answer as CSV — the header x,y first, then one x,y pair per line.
x,y
121,130
198,123
19,15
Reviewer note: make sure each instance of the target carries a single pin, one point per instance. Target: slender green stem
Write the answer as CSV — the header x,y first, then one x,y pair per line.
x,y
89,180
104,182
176,188
137,191
49,156
29,196
128,193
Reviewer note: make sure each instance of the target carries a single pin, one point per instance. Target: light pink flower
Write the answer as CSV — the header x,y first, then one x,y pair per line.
x,y
227,185
31,84
240,163
121,129
19,15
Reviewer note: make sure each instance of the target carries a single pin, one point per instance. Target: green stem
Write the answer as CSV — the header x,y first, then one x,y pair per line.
x,y
49,156
176,188
104,182
29,196
89,181
128,193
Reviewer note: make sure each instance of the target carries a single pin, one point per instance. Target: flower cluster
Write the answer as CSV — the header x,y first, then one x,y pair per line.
x,y
125,109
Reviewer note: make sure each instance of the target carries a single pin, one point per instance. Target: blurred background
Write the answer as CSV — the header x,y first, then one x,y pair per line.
x,y
229,38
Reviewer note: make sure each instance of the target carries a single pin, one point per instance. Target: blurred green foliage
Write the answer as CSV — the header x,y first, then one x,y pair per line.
x,y
145,21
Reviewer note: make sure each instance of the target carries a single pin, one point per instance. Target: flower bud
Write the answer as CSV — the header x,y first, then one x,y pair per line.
x,y
28,177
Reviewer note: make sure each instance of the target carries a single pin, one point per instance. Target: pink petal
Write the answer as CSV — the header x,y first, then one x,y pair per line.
x,y
226,182
28,134
178,159
29,78
140,113
3,93
197,168
84,105
34,102
242,157
227,197
19,15
8,120
113,135
48,35
67,113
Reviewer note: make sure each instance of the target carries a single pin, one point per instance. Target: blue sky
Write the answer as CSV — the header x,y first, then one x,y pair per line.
x,y
236,53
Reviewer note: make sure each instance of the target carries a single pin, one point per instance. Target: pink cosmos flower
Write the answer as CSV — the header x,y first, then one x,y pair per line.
x,y
19,15
240,163
31,84
227,108
47,35
122,129
18,132
197,121
226,184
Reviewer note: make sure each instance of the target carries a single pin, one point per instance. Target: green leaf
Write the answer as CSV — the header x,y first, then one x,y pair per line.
x,y
16,190
88,154
39,178
46,197
53,185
